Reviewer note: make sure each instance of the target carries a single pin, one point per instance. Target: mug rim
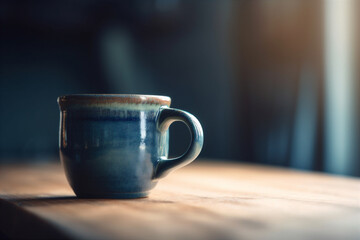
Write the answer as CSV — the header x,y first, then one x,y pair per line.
x,y
114,98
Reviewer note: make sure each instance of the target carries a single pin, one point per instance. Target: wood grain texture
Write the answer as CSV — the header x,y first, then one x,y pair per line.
x,y
206,200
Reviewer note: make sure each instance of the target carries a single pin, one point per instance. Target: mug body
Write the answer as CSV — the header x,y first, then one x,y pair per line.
x,y
110,145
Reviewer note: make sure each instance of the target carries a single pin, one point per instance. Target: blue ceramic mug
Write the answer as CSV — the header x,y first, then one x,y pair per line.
x,y
116,146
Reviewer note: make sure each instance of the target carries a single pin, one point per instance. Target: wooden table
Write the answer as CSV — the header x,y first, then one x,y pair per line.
x,y
206,200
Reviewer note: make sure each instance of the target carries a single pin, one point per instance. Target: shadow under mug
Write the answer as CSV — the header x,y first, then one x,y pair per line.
x,y
116,145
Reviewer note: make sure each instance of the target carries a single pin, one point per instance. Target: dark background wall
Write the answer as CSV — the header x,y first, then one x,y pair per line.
x,y
251,71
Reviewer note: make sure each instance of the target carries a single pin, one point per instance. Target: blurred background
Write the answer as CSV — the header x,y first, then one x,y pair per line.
x,y
272,81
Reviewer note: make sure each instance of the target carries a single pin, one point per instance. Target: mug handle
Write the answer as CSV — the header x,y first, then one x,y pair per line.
x,y
165,118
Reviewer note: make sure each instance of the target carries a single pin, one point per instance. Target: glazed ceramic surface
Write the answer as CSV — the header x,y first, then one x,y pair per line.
x,y
116,146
